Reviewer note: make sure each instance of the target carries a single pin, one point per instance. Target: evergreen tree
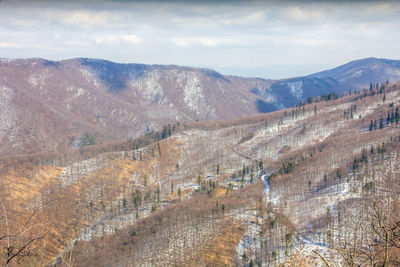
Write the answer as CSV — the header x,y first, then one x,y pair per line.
x,y
364,157
338,173
371,126
164,133
87,140
169,130
261,165
355,164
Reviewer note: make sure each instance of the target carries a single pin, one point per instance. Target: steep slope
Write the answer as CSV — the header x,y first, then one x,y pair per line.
x,y
48,105
256,189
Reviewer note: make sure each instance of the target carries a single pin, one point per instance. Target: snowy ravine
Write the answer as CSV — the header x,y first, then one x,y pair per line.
x,y
306,245
267,191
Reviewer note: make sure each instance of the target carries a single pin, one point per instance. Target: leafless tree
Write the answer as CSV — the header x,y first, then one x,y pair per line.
x,y
17,241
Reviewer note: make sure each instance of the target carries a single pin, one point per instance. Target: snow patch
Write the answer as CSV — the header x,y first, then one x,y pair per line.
x,y
296,89
149,87
8,115
193,92
357,73
90,77
72,173
38,80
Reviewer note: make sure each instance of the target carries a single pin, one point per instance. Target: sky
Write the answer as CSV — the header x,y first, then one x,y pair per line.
x,y
270,39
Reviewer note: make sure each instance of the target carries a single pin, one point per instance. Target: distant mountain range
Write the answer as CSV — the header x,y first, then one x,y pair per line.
x,y
354,75
48,105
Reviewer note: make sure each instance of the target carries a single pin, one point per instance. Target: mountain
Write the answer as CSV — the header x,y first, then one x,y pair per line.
x,y
50,105
361,72
354,75
294,187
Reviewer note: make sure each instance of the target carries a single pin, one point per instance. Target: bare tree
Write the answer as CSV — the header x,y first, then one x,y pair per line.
x,y
17,242
67,255
373,236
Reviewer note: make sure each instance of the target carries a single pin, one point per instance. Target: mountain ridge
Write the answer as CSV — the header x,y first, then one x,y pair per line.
x,y
48,105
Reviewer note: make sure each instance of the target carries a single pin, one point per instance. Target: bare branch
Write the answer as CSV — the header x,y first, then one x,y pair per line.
x,y
322,258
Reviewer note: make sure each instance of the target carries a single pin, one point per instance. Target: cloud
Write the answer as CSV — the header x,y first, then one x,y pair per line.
x,y
207,41
298,13
224,33
196,41
375,8
78,43
254,17
180,42
11,45
16,45
310,42
112,39
84,17
131,38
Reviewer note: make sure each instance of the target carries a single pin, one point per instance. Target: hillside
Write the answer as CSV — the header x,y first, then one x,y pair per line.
x,y
354,75
48,106
267,189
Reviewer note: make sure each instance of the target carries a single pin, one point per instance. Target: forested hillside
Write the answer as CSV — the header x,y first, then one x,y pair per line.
x,y
310,185
53,106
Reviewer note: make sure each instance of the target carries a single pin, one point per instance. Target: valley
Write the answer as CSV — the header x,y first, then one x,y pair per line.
x,y
278,189
199,133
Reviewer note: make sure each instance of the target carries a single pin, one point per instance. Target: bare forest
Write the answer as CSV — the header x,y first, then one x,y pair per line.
x,y
312,185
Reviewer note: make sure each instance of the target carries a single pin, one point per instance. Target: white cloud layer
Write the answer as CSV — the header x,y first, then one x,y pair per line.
x,y
239,34
113,39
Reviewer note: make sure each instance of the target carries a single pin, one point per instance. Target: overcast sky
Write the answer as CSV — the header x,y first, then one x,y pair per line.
x,y
272,39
